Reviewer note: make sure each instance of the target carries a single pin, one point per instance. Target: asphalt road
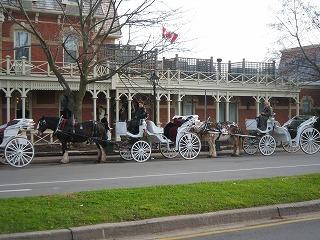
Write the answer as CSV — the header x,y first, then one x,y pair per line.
x,y
297,229
47,176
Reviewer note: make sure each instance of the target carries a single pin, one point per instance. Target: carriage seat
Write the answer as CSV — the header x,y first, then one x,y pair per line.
x,y
152,128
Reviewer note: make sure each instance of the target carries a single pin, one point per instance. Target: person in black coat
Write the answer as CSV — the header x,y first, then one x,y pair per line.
x,y
140,113
104,121
264,116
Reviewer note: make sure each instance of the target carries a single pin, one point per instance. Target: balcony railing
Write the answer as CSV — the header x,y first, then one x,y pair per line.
x,y
178,71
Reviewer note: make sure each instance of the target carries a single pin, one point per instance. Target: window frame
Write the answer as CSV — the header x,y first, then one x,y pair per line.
x,y
64,50
28,45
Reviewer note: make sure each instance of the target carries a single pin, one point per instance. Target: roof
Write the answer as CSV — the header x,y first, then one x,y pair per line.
x,y
69,6
52,5
294,65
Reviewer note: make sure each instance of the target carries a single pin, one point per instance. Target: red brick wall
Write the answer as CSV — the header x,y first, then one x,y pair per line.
x,y
50,30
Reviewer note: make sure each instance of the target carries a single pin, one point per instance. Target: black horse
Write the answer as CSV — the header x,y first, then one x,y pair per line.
x,y
67,131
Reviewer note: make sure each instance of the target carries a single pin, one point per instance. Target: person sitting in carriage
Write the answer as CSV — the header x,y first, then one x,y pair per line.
x,y
140,113
264,116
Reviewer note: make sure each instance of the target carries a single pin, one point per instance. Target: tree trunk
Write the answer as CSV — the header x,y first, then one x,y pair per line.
x,y
78,100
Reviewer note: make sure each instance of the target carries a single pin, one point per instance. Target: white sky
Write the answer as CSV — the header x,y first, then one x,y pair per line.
x,y
227,29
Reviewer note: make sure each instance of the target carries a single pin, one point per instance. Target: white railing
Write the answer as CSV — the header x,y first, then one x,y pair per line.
x,y
179,77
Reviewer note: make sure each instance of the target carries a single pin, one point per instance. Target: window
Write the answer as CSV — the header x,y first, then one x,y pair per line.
x,y
71,49
233,112
222,111
306,105
21,45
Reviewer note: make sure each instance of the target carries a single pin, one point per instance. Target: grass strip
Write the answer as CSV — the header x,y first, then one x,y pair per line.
x,y
116,205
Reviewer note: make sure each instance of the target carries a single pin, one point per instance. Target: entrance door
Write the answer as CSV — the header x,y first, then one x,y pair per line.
x,y
222,112
187,107
233,110
19,107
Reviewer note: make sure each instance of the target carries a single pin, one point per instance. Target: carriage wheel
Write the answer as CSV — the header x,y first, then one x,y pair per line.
x,y
290,149
170,152
19,152
141,151
310,140
126,155
250,145
189,146
267,145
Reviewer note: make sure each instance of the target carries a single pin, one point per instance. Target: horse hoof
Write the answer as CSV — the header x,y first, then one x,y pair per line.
x,y
234,155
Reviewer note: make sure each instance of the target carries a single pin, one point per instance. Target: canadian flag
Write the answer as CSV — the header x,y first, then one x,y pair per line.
x,y
171,36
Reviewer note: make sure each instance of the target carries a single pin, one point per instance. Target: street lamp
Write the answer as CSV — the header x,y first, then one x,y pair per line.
x,y
154,79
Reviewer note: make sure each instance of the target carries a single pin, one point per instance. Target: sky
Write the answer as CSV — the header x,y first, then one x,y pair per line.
x,y
227,29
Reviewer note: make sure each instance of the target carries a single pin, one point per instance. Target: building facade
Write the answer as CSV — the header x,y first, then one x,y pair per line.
x,y
225,91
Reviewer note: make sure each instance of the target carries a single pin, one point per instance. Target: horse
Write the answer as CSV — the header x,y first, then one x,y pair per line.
x,y
67,131
222,131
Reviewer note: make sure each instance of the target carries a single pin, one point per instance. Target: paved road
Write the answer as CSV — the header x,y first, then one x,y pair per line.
x,y
300,229
49,177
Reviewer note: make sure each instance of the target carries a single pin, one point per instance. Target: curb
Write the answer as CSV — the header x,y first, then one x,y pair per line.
x,y
167,224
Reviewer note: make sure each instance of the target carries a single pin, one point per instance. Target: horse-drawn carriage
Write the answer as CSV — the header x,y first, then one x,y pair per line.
x,y
17,150
298,132
173,139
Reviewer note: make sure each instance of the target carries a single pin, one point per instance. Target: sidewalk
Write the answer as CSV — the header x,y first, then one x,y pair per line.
x,y
156,226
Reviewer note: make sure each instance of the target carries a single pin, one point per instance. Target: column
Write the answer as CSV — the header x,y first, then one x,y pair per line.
x,y
94,94
158,109
179,106
108,105
117,114
257,107
117,109
8,107
94,107
217,110
129,106
23,99
227,110
168,108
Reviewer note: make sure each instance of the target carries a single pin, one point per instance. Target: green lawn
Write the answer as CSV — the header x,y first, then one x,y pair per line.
x,y
116,205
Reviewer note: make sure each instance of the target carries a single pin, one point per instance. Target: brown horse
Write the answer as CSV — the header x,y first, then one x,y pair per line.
x,y
67,131
221,131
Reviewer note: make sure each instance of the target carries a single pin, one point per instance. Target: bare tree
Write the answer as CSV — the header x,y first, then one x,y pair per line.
x,y
89,24
299,27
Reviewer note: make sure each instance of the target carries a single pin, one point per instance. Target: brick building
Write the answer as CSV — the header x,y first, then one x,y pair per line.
x,y
207,87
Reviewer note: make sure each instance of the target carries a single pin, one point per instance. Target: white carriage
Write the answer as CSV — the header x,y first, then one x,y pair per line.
x,y
298,132
186,143
16,149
